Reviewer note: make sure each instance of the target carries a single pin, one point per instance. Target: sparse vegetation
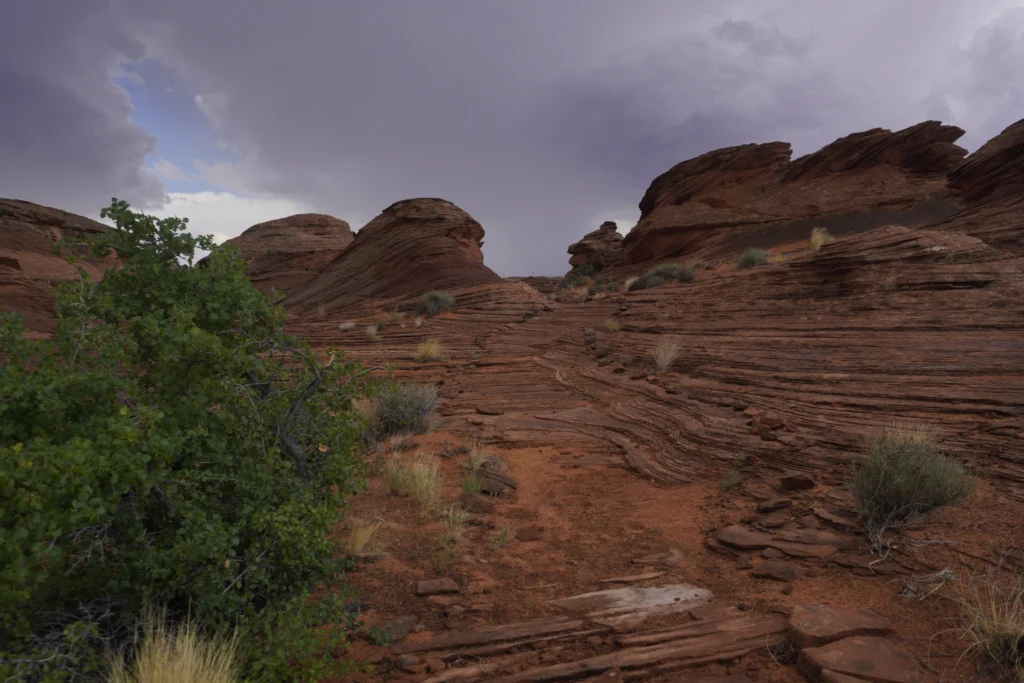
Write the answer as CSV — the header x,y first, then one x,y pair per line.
x,y
589,337
601,288
752,257
626,360
435,303
471,484
743,460
177,653
665,353
454,519
603,350
902,476
731,480
397,410
992,613
429,350
347,327
612,326
364,538
417,322
372,332
628,284
659,275
379,636
820,237
500,539
420,479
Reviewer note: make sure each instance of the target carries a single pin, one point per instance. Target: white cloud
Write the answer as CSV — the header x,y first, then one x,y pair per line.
x,y
223,214
170,171
213,107
136,78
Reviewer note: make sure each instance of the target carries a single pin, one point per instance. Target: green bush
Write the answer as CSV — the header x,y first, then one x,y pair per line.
x,y
170,446
751,257
435,303
657,276
401,410
903,476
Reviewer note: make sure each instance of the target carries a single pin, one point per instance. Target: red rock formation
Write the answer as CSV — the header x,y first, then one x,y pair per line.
x,y
414,246
601,248
287,253
753,195
28,266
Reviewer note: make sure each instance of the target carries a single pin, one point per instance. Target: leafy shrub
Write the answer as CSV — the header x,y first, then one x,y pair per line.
x,y
400,410
820,237
657,276
903,476
435,303
170,445
752,256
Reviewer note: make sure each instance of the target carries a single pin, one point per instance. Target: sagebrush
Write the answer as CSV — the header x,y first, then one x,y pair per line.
x,y
752,257
435,303
396,410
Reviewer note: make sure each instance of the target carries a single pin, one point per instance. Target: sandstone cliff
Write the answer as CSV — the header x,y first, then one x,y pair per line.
x,y
287,253
414,246
754,195
28,267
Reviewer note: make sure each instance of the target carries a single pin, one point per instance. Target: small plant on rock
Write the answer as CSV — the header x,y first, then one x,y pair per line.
x,y
471,484
435,303
429,350
656,277
665,353
364,539
372,332
612,326
347,327
731,480
820,237
992,615
752,257
902,476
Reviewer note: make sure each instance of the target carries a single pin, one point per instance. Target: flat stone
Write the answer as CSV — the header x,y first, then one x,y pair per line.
x,y
401,627
778,570
444,600
494,483
772,553
744,538
774,520
774,504
477,504
829,676
435,665
406,662
672,558
744,562
814,537
488,410
817,625
530,533
866,657
436,587
796,481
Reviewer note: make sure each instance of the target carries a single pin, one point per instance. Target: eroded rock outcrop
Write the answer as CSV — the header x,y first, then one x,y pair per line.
x,y
753,195
601,248
287,253
414,246
28,266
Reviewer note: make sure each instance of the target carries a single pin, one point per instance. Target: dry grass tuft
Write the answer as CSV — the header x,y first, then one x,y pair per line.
x,y
992,610
420,479
176,654
372,332
364,539
429,350
820,237
454,519
665,353
347,327
417,321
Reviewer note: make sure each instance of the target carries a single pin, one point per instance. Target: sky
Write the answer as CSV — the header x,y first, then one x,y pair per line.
x,y
541,118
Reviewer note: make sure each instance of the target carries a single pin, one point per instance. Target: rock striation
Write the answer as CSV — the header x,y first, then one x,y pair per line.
x,y
755,195
600,249
287,253
28,266
414,246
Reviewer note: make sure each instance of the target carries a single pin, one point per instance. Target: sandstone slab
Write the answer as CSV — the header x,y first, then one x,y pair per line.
x,y
436,587
816,625
870,658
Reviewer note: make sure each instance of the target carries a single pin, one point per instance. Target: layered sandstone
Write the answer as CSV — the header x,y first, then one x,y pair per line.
x,y
28,267
414,246
600,249
754,195
287,253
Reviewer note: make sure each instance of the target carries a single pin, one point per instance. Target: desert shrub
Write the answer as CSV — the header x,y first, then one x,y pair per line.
x,y
400,410
992,617
435,303
902,476
820,237
731,480
753,256
170,445
656,277
428,351
665,353
372,331
646,282
584,271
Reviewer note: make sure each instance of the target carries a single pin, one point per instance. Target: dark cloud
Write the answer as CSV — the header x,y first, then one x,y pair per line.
x,y
66,135
539,117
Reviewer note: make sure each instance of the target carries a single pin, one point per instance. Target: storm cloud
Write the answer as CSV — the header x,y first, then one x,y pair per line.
x,y
540,117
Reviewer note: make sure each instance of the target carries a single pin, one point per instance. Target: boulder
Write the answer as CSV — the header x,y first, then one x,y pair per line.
x,y
754,195
414,246
778,570
817,625
869,658
601,248
796,481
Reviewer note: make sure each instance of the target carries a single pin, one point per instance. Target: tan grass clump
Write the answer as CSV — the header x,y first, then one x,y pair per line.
x,y
992,612
665,353
820,237
429,350
372,332
419,479
364,538
176,654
